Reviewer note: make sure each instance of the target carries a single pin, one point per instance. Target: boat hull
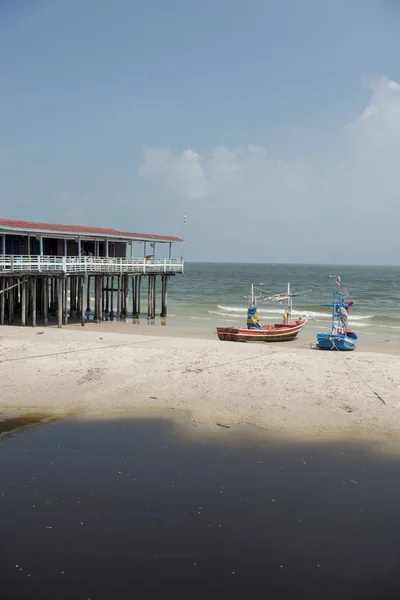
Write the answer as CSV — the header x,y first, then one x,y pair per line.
x,y
280,332
341,341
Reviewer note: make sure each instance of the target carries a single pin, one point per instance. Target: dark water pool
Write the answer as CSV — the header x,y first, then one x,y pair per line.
x,y
141,508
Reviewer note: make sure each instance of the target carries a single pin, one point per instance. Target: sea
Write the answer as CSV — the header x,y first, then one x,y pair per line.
x,y
160,507
209,294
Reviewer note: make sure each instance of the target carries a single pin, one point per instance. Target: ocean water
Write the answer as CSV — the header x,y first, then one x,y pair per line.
x,y
147,508
210,294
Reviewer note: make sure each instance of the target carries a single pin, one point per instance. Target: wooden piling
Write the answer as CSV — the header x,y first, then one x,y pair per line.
x,y
134,289
100,297
112,300
154,297
107,311
164,295
138,296
2,300
119,298
126,289
88,295
83,283
59,282
34,295
45,302
11,300
149,300
52,294
23,304
66,286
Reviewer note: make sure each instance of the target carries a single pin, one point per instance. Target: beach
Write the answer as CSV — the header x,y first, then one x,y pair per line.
x,y
118,367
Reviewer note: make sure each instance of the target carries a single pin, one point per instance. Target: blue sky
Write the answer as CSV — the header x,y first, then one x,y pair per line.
x,y
274,124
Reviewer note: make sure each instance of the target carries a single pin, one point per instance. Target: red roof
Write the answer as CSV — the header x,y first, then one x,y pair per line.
x,y
82,229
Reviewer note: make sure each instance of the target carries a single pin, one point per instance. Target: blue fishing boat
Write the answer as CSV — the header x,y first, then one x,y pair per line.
x,y
340,337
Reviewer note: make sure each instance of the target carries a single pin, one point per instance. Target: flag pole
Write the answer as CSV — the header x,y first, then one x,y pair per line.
x,y
183,233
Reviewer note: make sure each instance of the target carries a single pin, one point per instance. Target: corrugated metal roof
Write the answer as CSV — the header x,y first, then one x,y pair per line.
x,y
34,226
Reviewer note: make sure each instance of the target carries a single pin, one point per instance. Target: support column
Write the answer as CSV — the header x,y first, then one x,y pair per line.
x,y
112,300
78,293
88,295
107,296
149,299
23,304
11,300
139,284
2,300
102,292
100,298
83,284
33,302
66,285
119,298
59,301
164,295
126,284
153,308
45,302
134,294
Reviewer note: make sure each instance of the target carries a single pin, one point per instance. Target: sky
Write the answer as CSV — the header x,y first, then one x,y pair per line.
x,y
273,124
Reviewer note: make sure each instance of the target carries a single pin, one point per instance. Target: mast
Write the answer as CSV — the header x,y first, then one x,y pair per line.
x,y
289,304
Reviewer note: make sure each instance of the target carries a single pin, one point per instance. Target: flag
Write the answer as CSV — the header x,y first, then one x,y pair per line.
x,y
185,218
338,280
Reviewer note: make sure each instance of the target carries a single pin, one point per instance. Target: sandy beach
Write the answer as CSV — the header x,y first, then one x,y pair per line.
x,y
115,367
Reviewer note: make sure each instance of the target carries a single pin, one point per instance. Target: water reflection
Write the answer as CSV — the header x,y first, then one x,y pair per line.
x,y
134,508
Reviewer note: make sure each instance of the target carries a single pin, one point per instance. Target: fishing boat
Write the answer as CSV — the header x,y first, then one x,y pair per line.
x,y
340,337
285,331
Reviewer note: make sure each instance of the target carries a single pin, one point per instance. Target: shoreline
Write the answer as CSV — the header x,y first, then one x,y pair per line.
x,y
123,368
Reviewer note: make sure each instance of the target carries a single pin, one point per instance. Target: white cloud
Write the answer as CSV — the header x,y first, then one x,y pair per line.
x,y
361,179
198,177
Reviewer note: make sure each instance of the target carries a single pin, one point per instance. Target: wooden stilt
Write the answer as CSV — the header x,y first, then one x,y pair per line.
x,y
126,289
88,294
95,308
27,299
34,295
45,302
107,311
52,294
100,296
12,295
65,286
154,297
134,284
112,300
83,283
2,300
119,298
149,303
23,304
139,284
59,301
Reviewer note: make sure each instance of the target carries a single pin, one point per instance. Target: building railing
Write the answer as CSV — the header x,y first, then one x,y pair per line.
x,y
54,265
